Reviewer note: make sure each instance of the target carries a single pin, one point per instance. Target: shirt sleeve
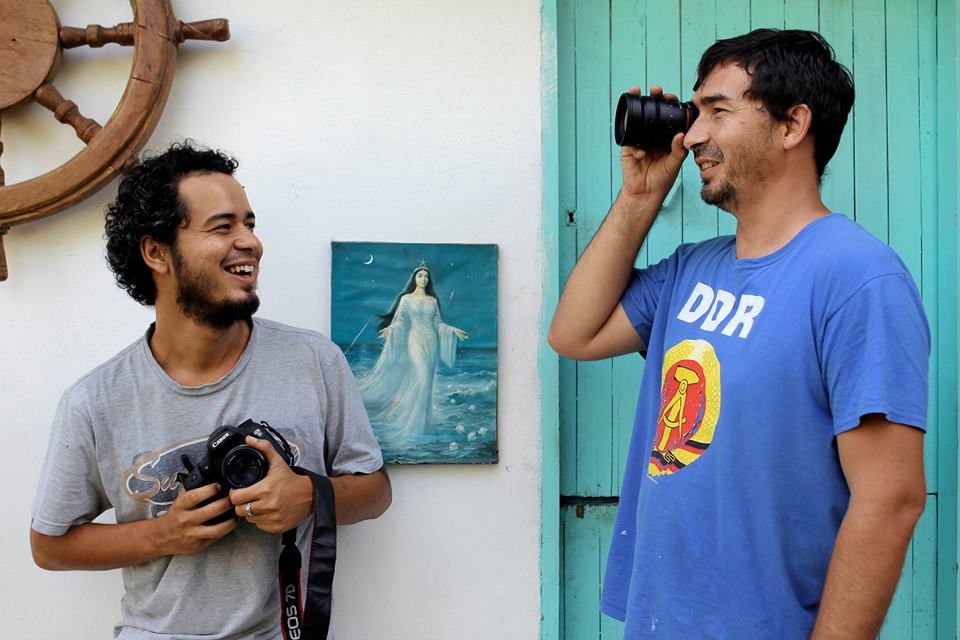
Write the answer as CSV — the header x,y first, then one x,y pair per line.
x,y
875,353
642,294
70,491
351,446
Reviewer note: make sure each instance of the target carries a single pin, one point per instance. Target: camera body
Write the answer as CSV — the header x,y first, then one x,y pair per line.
x,y
232,463
651,122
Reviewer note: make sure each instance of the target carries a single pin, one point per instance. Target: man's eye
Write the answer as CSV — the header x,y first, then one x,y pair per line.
x,y
251,226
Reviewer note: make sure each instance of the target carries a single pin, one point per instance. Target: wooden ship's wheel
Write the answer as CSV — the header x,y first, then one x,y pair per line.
x,y
31,47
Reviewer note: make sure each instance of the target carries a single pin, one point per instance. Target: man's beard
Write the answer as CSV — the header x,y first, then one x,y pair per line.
x,y
723,195
194,297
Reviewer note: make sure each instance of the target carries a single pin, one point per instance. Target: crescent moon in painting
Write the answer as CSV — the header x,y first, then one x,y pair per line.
x,y
370,261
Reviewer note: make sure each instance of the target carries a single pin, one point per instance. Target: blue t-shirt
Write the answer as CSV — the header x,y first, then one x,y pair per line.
x,y
733,491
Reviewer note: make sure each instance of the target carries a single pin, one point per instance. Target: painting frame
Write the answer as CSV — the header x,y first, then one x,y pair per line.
x,y
418,324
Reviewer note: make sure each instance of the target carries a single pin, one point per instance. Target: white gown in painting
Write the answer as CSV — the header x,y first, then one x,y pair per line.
x,y
398,392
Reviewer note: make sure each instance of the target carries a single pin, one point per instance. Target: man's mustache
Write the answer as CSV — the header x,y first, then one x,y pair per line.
x,y
710,152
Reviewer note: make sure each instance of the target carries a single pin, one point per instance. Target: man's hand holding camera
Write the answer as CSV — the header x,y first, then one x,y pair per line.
x,y
182,529
280,500
649,173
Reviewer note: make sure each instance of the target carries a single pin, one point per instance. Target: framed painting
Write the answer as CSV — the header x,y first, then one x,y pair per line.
x,y
418,325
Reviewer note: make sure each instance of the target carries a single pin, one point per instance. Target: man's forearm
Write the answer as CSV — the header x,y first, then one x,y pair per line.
x,y
361,497
96,546
864,569
603,271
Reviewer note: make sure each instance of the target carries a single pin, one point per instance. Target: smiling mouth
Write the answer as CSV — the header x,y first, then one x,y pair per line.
x,y
708,165
245,270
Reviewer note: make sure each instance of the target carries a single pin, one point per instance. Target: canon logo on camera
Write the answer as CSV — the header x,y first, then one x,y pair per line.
x,y
220,439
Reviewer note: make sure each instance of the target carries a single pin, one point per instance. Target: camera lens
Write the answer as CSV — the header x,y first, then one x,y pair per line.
x,y
650,122
243,466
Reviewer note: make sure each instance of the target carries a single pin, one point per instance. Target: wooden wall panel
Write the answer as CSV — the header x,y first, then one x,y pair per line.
x,y
594,146
567,176
837,189
586,536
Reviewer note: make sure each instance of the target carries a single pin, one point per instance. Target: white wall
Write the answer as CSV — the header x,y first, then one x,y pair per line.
x,y
381,120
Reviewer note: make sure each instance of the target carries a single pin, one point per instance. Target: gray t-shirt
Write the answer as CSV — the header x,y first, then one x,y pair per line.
x,y
117,442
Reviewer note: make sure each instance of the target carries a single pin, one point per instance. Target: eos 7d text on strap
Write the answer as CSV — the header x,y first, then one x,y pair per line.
x,y
310,620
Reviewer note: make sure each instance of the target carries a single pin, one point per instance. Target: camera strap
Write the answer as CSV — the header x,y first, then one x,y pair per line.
x,y
310,619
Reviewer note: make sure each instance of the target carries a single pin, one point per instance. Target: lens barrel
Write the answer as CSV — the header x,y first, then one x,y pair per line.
x,y
243,466
651,122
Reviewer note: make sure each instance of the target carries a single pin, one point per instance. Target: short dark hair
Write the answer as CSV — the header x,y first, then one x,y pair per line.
x,y
787,68
148,203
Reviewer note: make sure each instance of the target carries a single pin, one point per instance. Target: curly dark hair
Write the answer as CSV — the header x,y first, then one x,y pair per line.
x,y
787,68
148,203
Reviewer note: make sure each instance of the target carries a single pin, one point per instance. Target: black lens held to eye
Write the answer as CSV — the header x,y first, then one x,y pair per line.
x,y
243,466
651,122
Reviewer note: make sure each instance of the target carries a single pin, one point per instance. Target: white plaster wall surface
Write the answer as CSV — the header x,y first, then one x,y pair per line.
x,y
415,121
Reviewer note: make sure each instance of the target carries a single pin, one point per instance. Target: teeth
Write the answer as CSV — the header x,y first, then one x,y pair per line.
x,y
708,165
242,269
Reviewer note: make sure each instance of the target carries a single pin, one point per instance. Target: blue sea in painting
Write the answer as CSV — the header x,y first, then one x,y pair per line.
x,y
465,410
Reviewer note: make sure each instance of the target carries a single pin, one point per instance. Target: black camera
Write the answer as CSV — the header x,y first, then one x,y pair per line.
x,y
232,463
651,122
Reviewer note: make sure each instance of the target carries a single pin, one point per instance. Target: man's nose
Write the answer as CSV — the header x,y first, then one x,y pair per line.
x,y
247,239
696,135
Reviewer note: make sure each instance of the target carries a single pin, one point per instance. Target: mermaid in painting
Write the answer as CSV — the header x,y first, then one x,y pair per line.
x,y
398,391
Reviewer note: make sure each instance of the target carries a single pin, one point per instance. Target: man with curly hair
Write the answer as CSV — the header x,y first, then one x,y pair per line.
x,y
180,238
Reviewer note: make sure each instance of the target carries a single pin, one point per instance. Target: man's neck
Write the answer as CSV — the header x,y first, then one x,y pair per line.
x,y
194,354
775,215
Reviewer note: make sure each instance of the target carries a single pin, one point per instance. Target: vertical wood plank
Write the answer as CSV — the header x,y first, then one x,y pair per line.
x,y
628,67
801,14
551,535
610,628
698,31
929,275
898,623
733,19
581,595
567,169
663,68
903,131
766,14
837,189
586,544
948,136
924,607
870,118
594,142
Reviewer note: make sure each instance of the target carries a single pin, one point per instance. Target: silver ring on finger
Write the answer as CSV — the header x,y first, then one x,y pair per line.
x,y
249,510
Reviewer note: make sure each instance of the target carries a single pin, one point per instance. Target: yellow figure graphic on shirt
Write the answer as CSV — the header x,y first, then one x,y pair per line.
x,y
689,406
673,417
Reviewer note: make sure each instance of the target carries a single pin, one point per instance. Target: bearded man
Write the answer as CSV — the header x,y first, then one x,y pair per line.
x,y
180,238
775,471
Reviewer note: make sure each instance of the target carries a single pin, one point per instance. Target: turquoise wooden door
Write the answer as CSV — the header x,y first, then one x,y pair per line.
x,y
893,173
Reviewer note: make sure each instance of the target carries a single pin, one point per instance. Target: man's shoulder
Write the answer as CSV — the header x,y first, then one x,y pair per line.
x,y
844,249
277,335
113,373
692,253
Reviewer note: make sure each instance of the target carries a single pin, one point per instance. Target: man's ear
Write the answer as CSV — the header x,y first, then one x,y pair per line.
x,y
155,254
796,126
